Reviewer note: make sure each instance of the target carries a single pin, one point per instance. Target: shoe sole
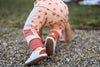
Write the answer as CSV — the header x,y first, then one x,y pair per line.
x,y
36,61
49,47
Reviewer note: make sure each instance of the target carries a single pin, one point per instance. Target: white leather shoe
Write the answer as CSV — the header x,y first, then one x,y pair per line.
x,y
50,44
36,56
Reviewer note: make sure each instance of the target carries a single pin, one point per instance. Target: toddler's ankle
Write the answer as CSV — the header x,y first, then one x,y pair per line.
x,y
55,34
38,48
35,44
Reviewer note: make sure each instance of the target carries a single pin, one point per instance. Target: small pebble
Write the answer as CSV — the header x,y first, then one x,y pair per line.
x,y
82,51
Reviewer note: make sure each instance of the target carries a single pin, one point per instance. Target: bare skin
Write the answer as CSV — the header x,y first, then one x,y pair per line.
x,y
40,34
67,35
38,48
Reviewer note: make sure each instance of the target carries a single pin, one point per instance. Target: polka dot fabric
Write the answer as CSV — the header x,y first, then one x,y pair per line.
x,y
50,13
57,6
45,17
53,13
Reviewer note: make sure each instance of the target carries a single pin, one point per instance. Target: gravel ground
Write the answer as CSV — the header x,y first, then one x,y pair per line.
x,y
82,51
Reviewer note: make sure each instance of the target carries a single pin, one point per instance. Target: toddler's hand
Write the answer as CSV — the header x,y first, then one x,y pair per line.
x,y
62,40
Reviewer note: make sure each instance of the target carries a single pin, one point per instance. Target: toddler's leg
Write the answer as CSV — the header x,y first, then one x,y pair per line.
x,y
33,39
55,33
31,33
33,28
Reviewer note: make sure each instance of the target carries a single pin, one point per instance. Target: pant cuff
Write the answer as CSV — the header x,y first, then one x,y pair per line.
x,y
35,43
56,34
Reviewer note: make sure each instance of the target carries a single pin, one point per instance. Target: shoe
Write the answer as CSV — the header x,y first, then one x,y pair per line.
x,y
50,44
36,56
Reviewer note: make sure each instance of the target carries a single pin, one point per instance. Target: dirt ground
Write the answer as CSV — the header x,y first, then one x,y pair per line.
x,y
82,51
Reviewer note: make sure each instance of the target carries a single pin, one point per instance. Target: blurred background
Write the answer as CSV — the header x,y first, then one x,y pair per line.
x,y
82,51
83,14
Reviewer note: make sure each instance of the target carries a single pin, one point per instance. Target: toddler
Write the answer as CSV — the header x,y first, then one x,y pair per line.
x,y
53,13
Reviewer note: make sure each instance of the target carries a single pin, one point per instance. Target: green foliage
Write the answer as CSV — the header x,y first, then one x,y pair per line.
x,y
14,12
81,16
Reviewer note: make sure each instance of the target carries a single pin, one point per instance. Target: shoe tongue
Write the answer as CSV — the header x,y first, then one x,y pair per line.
x,y
38,51
43,51
52,37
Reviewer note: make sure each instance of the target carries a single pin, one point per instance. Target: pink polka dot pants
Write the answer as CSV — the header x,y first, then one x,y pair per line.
x,y
38,18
